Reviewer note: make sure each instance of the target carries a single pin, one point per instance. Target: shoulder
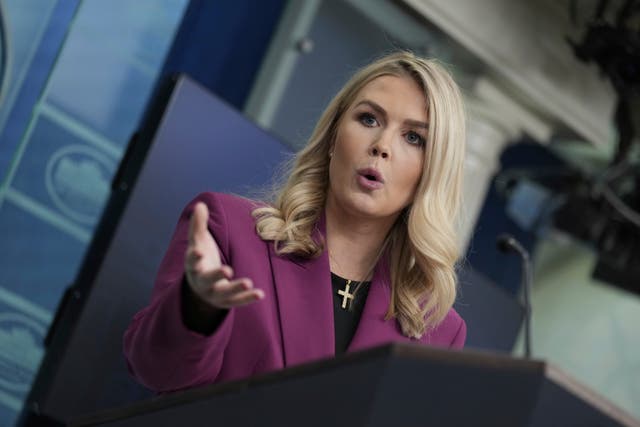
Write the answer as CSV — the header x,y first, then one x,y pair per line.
x,y
450,333
228,210
228,203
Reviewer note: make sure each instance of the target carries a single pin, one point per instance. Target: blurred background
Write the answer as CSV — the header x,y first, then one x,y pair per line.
x,y
553,157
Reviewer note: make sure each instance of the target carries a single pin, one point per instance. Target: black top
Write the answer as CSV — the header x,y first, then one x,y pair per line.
x,y
346,320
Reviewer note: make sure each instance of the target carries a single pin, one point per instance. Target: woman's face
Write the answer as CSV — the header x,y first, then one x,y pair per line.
x,y
378,153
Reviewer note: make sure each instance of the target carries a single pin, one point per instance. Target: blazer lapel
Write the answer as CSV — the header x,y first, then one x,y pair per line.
x,y
304,300
372,329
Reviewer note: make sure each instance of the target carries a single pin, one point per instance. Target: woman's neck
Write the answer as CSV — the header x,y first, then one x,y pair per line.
x,y
353,243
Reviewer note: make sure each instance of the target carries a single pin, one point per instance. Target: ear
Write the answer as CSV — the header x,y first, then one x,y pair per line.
x,y
332,146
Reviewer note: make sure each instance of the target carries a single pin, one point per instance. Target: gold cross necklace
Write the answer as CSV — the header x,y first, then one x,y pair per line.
x,y
346,295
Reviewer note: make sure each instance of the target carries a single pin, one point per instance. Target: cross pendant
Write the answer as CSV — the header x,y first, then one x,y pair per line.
x,y
345,294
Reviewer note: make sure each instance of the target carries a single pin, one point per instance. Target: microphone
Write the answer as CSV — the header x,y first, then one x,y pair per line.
x,y
508,244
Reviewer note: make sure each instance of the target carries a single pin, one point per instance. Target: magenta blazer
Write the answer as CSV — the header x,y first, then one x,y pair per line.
x,y
293,324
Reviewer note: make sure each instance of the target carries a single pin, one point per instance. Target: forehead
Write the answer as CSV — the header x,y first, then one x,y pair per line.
x,y
401,95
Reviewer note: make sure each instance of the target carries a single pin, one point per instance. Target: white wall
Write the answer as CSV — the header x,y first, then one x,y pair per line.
x,y
587,328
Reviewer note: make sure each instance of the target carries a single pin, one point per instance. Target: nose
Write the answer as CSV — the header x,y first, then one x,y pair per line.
x,y
375,151
380,147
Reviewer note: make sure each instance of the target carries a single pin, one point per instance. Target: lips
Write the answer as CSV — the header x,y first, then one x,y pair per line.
x,y
370,179
371,174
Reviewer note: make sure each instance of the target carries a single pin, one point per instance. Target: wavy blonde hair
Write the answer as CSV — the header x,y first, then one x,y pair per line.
x,y
421,247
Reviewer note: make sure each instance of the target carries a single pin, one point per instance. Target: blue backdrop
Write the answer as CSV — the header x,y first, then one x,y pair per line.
x,y
82,74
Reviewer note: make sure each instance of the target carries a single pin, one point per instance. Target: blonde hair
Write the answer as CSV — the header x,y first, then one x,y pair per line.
x,y
421,247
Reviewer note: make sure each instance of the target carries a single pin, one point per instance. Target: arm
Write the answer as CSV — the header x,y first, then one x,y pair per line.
x,y
179,339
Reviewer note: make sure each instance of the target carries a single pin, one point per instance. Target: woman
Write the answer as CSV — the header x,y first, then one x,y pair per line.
x,y
358,249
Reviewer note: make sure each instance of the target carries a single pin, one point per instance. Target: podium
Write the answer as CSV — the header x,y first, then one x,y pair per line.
x,y
392,385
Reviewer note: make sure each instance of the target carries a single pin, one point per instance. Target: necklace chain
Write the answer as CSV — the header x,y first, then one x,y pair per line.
x,y
340,267
345,294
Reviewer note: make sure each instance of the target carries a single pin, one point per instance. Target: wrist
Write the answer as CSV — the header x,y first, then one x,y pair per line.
x,y
197,314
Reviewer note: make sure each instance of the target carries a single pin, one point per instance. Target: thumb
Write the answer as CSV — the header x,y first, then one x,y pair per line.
x,y
198,223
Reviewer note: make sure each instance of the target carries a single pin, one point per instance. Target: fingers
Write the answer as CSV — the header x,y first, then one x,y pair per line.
x,y
246,297
198,265
234,293
192,258
198,222
226,288
218,288
224,272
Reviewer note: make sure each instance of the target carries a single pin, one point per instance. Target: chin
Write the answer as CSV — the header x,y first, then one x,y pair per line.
x,y
366,205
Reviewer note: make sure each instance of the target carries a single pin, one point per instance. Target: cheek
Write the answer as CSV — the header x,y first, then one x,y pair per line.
x,y
345,140
348,147
410,170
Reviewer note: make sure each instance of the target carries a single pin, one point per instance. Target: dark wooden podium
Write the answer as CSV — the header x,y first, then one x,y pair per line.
x,y
393,385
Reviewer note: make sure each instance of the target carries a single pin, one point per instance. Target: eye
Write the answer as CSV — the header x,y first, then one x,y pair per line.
x,y
368,119
414,138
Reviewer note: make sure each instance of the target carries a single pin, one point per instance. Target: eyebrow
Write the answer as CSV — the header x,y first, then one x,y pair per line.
x,y
383,113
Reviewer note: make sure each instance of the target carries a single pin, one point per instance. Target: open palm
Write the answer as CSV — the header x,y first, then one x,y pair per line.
x,y
211,280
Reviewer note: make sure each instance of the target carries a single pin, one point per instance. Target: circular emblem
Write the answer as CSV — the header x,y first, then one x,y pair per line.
x,y
78,179
20,351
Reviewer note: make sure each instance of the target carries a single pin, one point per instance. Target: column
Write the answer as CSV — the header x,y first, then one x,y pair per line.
x,y
494,120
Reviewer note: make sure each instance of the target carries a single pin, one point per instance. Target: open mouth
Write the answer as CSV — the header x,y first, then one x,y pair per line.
x,y
370,179
371,175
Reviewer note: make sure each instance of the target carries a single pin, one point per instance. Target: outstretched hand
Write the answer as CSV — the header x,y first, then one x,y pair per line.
x,y
210,280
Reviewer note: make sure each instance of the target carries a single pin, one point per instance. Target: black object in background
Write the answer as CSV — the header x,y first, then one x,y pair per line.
x,y
190,142
493,316
508,244
526,156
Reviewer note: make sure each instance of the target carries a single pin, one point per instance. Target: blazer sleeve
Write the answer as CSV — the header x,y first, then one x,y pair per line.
x,y
160,351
